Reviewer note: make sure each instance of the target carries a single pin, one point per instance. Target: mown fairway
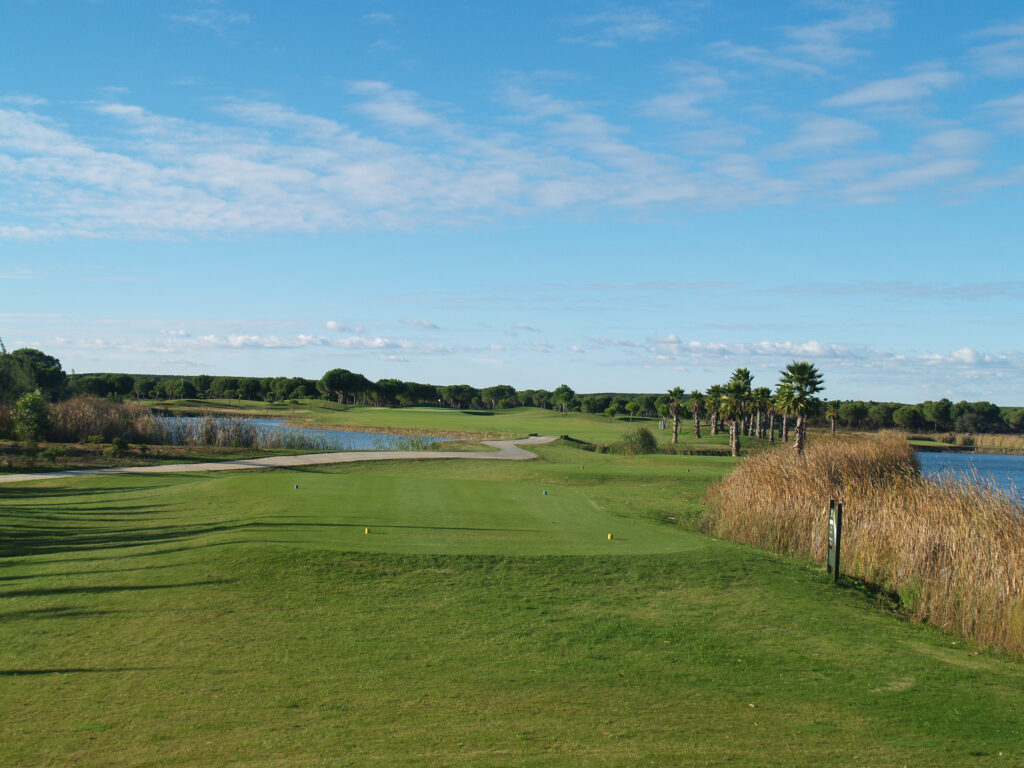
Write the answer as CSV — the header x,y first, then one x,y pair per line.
x,y
513,422
228,620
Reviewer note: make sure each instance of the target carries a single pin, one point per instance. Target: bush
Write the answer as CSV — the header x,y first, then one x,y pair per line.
x,y
638,442
30,417
118,447
53,453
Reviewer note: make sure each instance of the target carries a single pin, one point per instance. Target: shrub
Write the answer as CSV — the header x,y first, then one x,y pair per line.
x,y
30,417
639,441
53,453
118,447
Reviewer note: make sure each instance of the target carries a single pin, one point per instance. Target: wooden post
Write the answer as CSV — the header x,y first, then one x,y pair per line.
x,y
835,537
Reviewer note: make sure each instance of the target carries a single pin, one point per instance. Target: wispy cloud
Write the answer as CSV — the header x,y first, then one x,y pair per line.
x,y
983,291
611,28
211,18
827,41
1004,56
697,84
914,87
421,324
762,58
379,17
1009,111
822,134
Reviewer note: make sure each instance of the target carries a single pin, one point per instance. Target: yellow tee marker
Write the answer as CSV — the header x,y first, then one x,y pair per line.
x,y
366,530
609,537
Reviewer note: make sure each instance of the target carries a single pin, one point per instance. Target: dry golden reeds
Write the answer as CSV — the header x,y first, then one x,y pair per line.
x,y
82,416
953,550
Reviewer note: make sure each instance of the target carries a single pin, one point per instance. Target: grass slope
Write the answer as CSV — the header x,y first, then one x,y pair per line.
x,y
234,620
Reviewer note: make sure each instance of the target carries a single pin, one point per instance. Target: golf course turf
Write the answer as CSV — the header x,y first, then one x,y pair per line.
x,y
232,619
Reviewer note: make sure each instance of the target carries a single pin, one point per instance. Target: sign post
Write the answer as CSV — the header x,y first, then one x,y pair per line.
x,y
835,537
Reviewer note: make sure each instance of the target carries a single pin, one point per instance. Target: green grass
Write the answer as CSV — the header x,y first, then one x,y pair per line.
x,y
513,422
229,620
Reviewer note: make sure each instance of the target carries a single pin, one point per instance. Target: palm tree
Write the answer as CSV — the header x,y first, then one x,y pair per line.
x,y
742,379
832,412
696,403
802,381
732,409
714,405
759,401
677,396
784,405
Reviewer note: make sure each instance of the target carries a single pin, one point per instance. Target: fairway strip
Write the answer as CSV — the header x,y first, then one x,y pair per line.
x,y
507,450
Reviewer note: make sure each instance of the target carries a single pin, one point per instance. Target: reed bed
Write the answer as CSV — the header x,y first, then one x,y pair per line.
x,y
952,549
240,432
995,443
83,416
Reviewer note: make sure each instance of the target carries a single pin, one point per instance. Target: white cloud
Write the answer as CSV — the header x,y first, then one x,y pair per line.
x,y
421,324
210,18
763,58
826,41
926,173
611,28
1009,110
697,84
379,18
1004,57
822,134
897,90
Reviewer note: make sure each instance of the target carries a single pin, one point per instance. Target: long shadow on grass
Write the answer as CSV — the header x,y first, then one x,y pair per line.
x,y
57,612
23,541
43,592
69,670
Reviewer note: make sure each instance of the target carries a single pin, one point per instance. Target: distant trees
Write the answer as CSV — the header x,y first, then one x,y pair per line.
x,y
341,383
28,370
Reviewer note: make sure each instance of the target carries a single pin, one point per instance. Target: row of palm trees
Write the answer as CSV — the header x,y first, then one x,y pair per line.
x,y
752,411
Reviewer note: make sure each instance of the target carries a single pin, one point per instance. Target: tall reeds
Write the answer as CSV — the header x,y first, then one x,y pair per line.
x,y
953,550
83,416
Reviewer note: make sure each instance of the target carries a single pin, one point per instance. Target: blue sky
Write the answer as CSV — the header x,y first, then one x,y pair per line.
x,y
616,196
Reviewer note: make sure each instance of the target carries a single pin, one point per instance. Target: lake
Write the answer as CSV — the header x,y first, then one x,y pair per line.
x,y
1007,471
271,433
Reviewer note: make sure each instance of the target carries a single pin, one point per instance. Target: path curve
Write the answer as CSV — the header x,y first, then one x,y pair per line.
x,y
508,450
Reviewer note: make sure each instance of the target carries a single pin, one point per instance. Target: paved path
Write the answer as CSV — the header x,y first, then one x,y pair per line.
x,y
508,450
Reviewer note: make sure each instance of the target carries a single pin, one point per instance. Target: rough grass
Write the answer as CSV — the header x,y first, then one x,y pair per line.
x,y
950,550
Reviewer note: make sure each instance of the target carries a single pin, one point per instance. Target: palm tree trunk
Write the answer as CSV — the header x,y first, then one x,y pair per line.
x,y
734,438
714,423
785,427
798,444
833,425
696,425
771,427
675,427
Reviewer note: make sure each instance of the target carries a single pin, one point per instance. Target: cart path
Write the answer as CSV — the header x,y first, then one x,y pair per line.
x,y
508,450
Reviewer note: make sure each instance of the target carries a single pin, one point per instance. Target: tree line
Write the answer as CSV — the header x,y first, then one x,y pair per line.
x,y
28,370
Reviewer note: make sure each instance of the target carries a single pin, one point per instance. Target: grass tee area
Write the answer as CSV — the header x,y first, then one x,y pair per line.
x,y
232,619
